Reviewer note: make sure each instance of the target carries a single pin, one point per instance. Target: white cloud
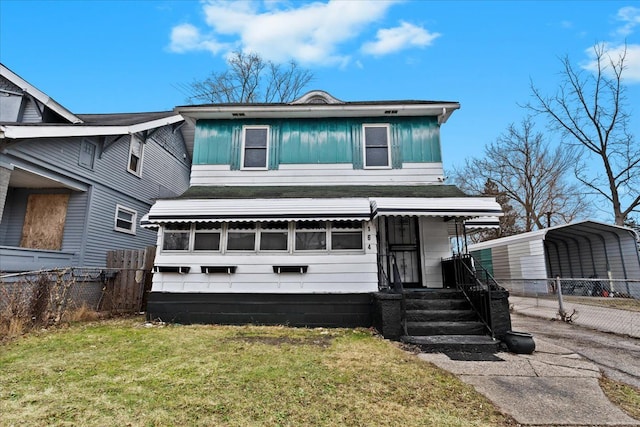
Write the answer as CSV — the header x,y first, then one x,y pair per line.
x,y
186,38
315,33
631,17
390,40
631,73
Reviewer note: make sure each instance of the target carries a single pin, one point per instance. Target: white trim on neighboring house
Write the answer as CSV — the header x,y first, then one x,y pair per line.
x,y
133,219
364,145
40,131
38,95
244,147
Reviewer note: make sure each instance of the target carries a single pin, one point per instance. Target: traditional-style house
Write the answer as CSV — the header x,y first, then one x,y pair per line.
x,y
74,186
299,213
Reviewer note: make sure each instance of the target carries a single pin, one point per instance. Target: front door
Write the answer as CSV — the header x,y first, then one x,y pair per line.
x,y
403,245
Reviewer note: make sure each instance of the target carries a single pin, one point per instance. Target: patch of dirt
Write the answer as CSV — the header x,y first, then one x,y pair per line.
x,y
323,342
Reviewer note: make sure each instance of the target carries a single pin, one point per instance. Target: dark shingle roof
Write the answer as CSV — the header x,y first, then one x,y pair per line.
x,y
122,119
335,191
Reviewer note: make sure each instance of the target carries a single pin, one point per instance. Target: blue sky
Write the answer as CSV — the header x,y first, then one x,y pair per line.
x,y
128,56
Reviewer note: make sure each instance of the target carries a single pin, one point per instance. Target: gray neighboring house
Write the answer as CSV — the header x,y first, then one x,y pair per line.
x,y
74,186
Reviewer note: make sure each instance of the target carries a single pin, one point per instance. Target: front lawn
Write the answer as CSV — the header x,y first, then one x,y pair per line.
x,y
121,372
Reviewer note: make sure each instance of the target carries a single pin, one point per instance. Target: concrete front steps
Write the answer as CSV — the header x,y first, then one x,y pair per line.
x,y
442,320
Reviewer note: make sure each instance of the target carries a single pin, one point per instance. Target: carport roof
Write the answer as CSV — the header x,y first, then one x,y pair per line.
x,y
583,228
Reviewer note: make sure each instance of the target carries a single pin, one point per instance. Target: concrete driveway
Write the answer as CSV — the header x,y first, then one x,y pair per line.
x,y
616,355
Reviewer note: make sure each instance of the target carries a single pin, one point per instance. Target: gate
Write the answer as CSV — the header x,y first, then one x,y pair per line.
x,y
129,279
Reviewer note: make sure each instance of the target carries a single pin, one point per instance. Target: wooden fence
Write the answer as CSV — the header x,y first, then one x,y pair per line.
x,y
129,279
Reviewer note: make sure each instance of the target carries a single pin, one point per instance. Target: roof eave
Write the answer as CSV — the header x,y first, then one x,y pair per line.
x,y
441,110
26,131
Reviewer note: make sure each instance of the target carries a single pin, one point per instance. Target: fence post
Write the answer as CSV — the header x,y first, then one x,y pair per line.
x,y
561,311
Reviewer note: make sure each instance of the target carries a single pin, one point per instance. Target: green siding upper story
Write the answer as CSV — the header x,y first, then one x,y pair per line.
x,y
317,141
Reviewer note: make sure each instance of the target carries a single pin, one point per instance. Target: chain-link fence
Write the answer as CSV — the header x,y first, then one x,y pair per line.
x,y
611,305
48,297
591,287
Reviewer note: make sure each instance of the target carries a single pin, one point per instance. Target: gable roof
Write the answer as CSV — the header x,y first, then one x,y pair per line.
x,y
79,124
38,95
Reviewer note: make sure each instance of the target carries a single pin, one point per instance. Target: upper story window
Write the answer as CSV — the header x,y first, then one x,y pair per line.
x,y
136,151
125,220
255,147
377,153
87,154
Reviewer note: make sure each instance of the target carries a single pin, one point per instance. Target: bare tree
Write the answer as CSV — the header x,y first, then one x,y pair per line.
x,y
531,175
249,79
589,111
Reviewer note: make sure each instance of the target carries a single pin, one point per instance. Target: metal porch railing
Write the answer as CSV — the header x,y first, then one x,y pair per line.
x,y
475,282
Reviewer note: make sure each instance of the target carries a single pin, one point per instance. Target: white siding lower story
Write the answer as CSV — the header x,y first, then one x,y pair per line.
x,y
335,274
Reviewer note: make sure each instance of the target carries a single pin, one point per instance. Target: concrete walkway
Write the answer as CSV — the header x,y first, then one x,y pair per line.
x,y
622,322
551,387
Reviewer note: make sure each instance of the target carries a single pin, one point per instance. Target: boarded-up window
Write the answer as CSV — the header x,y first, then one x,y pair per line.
x,y
44,221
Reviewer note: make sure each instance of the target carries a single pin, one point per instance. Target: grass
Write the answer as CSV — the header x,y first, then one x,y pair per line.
x,y
622,395
121,372
630,304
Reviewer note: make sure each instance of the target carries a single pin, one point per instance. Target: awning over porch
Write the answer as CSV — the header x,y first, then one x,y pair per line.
x,y
227,210
455,207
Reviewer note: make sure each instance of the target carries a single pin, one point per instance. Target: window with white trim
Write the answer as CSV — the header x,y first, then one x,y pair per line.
x,y
255,147
311,236
346,235
274,236
136,151
207,236
377,152
125,220
176,237
265,237
241,236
